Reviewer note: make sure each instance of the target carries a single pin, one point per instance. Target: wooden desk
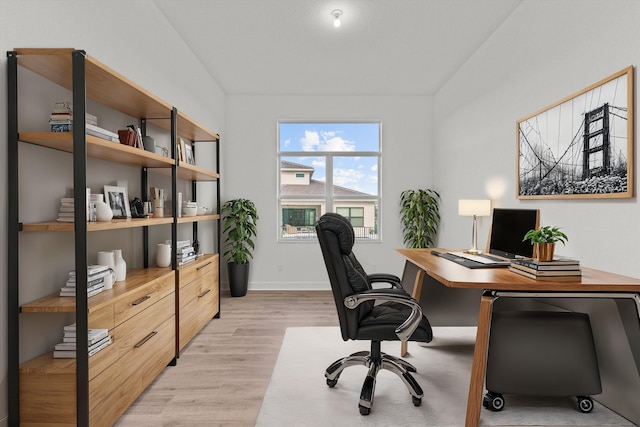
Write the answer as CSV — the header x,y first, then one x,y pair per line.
x,y
499,282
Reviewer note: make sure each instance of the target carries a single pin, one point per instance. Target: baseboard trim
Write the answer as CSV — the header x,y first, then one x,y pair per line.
x,y
292,286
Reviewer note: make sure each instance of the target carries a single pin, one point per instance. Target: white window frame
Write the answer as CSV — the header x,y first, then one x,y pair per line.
x,y
329,198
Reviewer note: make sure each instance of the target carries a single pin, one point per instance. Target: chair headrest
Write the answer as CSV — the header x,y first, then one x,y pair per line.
x,y
341,227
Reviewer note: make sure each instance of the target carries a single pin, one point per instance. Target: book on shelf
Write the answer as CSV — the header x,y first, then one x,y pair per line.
x,y
92,269
71,282
94,334
187,260
90,129
569,277
71,354
71,292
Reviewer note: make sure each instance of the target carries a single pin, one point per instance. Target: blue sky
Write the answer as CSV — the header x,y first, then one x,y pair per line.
x,y
356,172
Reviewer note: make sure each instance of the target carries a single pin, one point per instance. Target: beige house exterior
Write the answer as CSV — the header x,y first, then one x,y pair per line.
x,y
303,202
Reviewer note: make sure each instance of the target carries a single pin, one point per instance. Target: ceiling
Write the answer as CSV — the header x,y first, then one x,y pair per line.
x,y
290,47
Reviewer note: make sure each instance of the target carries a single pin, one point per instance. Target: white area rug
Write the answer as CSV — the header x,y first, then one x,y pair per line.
x,y
298,394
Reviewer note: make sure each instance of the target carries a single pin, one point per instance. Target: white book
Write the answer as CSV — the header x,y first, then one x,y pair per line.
x,y
105,343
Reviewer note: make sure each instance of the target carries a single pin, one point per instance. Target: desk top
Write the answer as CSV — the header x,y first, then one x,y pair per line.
x,y
501,279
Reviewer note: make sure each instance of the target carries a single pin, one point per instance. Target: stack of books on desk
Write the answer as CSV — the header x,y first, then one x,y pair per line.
x,y
95,281
558,269
98,339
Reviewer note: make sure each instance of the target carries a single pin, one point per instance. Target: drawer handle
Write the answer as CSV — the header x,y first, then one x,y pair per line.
x,y
141,300
204,293
203,266
145,339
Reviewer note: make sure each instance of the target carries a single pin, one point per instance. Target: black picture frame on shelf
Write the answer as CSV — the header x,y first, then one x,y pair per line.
x,y
118,200
188,151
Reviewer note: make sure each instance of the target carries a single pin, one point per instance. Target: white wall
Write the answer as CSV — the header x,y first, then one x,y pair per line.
x,y
546,50
131,37
250,169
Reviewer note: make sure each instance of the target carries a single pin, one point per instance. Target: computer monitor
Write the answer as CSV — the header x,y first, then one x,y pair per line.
x,y
508,227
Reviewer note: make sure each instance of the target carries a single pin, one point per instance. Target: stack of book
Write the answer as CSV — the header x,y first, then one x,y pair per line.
x,y
61,120
98,339
185,253
558,269
66,209
95,281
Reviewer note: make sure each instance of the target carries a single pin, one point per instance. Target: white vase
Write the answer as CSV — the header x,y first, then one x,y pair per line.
x,y
103,210
121,266
163,256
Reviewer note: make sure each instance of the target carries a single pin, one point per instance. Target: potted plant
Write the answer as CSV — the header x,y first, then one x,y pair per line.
x,y
420,217
239,224
545,239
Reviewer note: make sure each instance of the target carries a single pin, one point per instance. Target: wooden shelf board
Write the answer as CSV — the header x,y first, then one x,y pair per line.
x,y
99,148
185,219
103,84
114,224
56,304
106,86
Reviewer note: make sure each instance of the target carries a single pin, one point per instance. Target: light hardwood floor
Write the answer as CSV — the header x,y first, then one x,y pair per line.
x,y
222,375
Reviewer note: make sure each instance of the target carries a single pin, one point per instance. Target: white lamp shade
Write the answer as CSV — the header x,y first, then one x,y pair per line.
x,y
477,207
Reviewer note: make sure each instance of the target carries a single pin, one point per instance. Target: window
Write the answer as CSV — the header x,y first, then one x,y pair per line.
x,y
328,167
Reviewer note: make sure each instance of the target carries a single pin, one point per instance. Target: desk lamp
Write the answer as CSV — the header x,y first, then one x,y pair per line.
x,y
474,208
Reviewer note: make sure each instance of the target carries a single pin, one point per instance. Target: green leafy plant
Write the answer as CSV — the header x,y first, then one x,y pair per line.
x,y
420,217
546,234
240,219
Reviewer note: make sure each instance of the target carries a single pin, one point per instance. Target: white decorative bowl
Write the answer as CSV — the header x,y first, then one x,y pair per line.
x,y
190,211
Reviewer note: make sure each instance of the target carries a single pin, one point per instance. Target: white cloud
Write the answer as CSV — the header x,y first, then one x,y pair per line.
x,y
327,141
349,178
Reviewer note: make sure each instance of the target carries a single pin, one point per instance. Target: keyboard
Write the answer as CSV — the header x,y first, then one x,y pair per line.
x,y
468,260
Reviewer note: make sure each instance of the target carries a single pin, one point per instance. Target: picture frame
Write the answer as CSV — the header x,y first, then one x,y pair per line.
x,y
580,146
189,154
118,200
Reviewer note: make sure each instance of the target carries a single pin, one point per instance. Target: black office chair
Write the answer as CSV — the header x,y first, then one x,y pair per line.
x,y
365,313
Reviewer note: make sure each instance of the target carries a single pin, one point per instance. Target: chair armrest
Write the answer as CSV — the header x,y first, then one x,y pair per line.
x,y
405,330
393,280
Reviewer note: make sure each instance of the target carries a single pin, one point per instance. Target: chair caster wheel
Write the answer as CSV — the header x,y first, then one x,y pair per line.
x,y
332,383
417,401
585,404
364,410
493,402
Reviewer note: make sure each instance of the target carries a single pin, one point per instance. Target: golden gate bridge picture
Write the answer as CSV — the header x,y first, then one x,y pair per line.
x,y
582,146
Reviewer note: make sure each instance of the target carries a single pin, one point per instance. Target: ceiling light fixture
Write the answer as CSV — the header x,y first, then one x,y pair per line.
x,y
336,13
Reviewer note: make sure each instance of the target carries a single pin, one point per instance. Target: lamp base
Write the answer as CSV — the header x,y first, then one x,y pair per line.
x,y
473,251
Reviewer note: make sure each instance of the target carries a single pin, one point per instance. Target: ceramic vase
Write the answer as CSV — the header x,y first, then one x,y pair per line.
x,y
103,210
121,266
163,256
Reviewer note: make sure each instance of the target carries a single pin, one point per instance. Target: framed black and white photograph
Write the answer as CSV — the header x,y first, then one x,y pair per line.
x,y
188,151
581,146
118,200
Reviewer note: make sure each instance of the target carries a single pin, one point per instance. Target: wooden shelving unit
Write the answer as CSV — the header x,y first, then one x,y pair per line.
x,y
143,308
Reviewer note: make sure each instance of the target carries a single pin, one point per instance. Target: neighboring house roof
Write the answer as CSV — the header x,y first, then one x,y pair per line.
x,y
317,188
284,165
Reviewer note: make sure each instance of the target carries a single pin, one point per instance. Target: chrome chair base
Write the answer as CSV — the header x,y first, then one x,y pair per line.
x,y
375,360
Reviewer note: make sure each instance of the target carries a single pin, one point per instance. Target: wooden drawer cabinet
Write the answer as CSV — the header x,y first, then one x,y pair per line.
x,y
198,297
143,345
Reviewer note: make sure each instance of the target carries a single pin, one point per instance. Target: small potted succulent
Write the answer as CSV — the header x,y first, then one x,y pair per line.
x,y
545,239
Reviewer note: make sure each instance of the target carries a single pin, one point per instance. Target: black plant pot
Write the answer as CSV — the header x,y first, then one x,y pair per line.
x,y
238,278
